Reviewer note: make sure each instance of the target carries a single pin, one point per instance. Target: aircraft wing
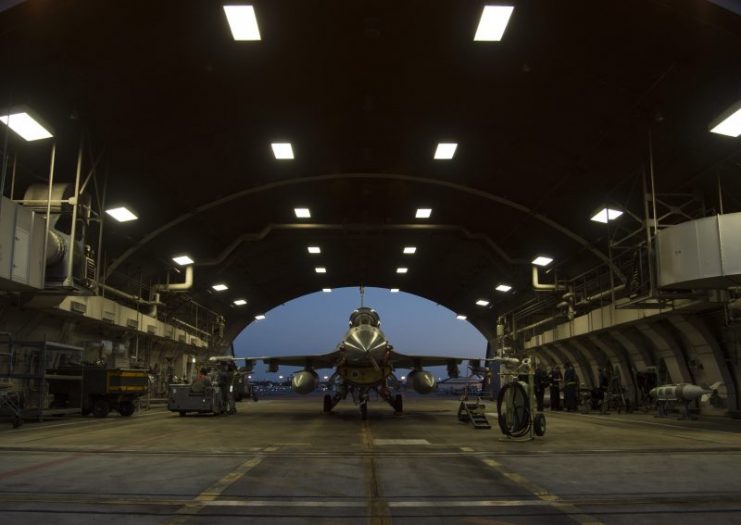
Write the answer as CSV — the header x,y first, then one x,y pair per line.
x,y
329,360
417,361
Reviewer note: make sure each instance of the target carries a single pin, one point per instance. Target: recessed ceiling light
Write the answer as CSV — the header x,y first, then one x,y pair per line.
x,y
314,249
445,150
320,269
503,288
302,213
482,302
259,317
401,269
394,290
423,213
541,260
182,260
240,302
220,287
282,150
461,317
326,290
25,126
122,214
242,22
729,123
493,22
410,250
606,215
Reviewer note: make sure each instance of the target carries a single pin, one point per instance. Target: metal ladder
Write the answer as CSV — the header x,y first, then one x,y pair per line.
x,y
473,411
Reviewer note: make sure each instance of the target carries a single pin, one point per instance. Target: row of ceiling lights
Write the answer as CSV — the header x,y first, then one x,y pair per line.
x,y
492,23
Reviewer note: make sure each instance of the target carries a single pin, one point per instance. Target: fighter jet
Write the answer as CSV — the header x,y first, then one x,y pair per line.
x,y
364,361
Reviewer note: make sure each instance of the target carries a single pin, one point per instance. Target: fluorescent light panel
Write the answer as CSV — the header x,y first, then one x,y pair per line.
x,y
122,214
482,302
182,260
461,317
282,150
25,126
401,269
503,288
394,290
730,122
302,213
259,317
542,260
493,22
410,250
314,249
242,22
220,287
326,290
240,302
320,269
606,215
423,213
445,150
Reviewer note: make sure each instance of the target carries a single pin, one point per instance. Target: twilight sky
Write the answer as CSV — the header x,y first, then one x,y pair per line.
x,y
315,323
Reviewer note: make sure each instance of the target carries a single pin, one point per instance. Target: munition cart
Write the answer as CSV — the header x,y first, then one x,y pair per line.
x,y
100,391
182,399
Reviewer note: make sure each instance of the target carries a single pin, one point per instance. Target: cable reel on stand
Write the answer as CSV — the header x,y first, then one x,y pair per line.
x,y
515,402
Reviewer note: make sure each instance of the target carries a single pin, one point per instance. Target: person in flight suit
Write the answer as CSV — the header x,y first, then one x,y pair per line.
x,y
556,379
571,388
540,382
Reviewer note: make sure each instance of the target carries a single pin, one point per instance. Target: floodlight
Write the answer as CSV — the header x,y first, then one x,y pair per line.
x,y
314,249
182,260
282,150
242,22
28,128
503,288
423,213
482,302
220,287
302,213
122,214
402,270
606,215
410,250
445,150
542,260
240,302
729,122
493,22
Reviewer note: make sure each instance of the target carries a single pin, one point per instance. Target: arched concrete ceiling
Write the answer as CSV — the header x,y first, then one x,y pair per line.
x,y
550,122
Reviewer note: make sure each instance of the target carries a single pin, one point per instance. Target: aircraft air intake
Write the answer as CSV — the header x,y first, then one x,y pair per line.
x,y
423,382
304,382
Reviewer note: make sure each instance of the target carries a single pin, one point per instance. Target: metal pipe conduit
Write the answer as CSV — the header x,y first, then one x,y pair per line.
x,y
538,286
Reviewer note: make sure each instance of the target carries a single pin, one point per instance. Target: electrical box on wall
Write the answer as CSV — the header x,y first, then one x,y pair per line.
x,y
21,247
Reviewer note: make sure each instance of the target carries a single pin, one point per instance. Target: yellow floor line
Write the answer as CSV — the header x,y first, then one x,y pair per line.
x,y
214,491
570,510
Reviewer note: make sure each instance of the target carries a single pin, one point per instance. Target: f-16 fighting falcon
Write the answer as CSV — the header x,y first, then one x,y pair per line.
x,y
364,361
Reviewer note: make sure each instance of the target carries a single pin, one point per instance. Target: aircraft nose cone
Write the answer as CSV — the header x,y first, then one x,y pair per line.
x,y
365,339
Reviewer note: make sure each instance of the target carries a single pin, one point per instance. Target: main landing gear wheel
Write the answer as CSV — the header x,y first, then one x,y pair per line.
x,y
126,408
327,404
539,424
364,411
101,407
399,404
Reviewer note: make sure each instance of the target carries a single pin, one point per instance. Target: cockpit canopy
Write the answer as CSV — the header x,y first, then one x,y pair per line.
x,y
365,316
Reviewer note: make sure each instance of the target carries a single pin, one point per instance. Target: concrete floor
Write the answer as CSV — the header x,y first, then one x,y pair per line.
x,y
281,461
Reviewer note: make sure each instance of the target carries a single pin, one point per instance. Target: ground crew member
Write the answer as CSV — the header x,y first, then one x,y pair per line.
x,y
201,383
570,388
556,379
540,381
225,384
